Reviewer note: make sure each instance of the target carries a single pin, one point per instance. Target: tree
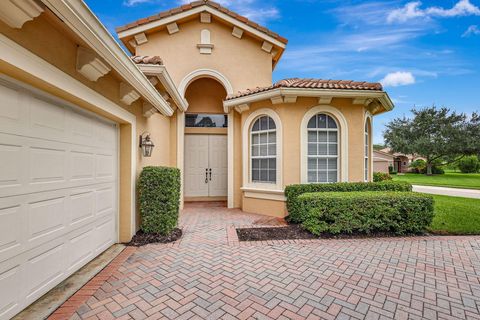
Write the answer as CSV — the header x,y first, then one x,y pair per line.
x,y
435,134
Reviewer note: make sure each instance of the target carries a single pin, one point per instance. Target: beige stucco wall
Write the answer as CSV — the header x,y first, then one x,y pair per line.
x,y
51,41
241,61
205,95
291,116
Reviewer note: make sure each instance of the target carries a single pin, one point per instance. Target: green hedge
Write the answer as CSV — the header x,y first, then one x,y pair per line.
x,y
381,176
159,194
366,212
292,192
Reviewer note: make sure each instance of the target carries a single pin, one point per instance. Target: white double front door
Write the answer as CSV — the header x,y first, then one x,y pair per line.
x,y
206,166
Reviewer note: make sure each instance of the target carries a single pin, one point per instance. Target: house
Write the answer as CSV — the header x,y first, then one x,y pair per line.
x,y
78,118
382,161
401,162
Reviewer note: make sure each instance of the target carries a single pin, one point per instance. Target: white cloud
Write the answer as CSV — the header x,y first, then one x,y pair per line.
x,y
410,11
133,3
399,78
473,30
413,10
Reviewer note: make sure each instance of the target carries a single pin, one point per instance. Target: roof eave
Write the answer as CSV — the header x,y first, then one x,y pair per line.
x,y
381,96
162,74
196,10
80,19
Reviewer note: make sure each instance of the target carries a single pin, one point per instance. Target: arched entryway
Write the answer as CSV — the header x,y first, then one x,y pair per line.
x,y
205,141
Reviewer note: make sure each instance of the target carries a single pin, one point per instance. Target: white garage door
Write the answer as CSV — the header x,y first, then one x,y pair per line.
x,y
58,193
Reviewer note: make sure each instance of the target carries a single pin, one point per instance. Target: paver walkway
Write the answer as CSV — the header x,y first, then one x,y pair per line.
x,y
455,192
209,275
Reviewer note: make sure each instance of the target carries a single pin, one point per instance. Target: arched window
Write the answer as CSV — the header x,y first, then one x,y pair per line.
x,y
323,149
263,150
367,151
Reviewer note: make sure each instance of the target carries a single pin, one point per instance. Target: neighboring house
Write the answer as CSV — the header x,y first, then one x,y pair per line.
x,y
382,161
401,162
74,107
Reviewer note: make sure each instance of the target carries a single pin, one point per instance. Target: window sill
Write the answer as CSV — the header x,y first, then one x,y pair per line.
x,y
256,192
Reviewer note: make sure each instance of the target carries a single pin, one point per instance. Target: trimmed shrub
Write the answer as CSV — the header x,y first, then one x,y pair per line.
x,y
418,165
469,164
435,170
381,176
367,212
391,170
159,194
296,215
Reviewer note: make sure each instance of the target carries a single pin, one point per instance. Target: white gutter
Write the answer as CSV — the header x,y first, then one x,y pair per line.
x,y
80,19
310,92
162,74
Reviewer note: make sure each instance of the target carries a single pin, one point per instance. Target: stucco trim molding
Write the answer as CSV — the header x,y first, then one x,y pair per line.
x,y
205,73
197,10
343,131
265,194
246,154
230,159
381,96
369,117
165,79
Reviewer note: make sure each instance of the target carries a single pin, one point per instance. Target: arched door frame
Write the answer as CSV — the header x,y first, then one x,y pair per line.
x,y
186,81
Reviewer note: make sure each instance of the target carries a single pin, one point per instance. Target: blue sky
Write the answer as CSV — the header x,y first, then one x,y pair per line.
x,y
425,53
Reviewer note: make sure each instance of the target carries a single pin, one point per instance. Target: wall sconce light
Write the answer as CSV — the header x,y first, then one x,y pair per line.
x,y
146,144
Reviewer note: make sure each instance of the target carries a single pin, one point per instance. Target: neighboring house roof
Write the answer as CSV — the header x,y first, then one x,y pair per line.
x,y
311,84
410,157
382,156
147,60
195,4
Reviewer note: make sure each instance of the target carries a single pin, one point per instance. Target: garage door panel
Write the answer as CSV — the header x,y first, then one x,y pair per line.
x,y
104,168
10,237
9,290
82,128
104,234
106,137
82,165
47,120
47,164
46,217
43,268
81,206
11,111
80,248
10,167
105,198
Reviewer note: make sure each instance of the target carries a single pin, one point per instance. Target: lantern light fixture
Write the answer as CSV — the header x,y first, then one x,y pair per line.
x,y
146,144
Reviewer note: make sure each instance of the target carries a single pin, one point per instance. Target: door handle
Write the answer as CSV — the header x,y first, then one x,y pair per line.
x,y
210,174
206,175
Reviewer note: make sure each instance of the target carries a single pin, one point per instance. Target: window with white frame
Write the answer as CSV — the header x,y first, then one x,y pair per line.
x,y
367,151
263,150
322,149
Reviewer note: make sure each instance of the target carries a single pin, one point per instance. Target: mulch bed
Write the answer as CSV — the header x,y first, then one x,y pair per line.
x,y
293,232
290,232
141,238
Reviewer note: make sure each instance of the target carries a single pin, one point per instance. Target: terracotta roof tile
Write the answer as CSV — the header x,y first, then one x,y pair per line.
x,y
195,4
147,60
311,84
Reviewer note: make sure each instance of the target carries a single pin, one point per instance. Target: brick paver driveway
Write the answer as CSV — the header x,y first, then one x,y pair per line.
x,y
210,275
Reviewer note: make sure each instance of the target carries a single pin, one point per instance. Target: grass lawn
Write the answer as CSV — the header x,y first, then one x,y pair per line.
x,y
455,215
449,179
